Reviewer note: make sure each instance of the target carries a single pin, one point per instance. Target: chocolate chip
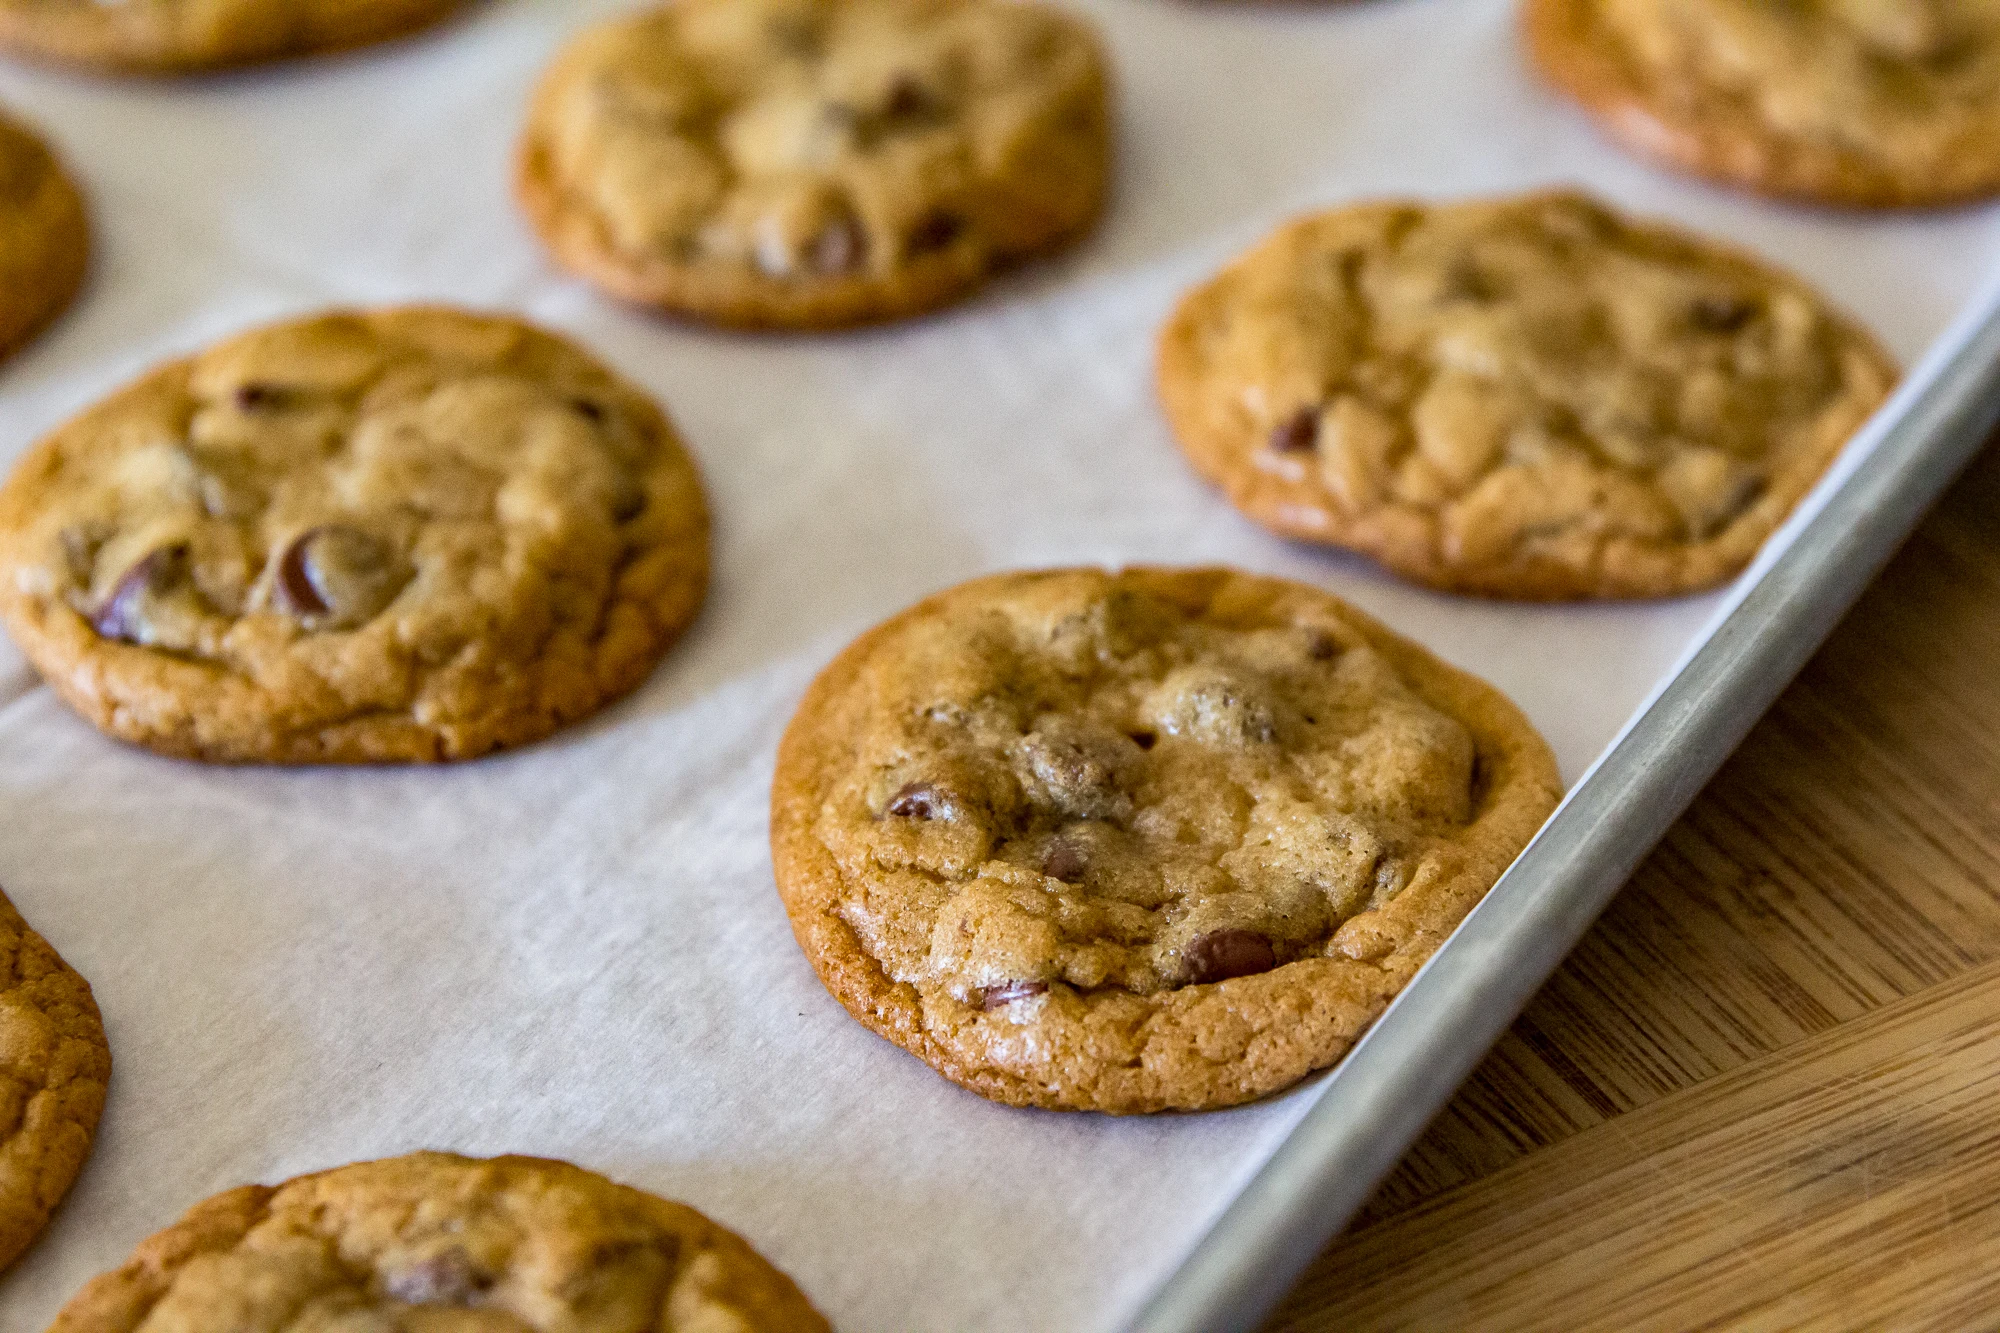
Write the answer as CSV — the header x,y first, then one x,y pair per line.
x,y
297,592
337,575
1064,862
994,997
628,504
935,232
122,614
1222,954
1297,433
917,800
1145,740
589,411
255,397
1722,314
1466,282
840,247
1321,647
446,1278
908,97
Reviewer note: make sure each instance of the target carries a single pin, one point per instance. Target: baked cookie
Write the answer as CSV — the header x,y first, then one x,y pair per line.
x,y
177,36
1529,397
808,164
53,1068
406,535
1866,102
433,1241
44,236
1144,840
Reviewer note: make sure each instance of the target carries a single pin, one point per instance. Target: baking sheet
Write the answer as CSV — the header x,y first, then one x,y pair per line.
x,y
576,950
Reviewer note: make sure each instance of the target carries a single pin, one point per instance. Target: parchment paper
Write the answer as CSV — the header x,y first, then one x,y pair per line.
x,y
576,950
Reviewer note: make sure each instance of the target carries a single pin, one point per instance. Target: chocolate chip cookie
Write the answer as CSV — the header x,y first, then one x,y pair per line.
x,y
406,535
1864,102
1529,397
433,1241
53,1068
174,36
1144,840
44,236
809,164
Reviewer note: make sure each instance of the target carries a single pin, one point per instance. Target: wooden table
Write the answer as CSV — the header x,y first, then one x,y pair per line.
x,y
1765,1091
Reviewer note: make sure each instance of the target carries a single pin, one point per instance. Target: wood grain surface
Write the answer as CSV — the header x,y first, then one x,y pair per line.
x,y
1764,1093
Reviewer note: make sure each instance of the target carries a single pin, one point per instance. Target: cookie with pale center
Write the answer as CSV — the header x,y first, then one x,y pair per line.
x,y
54,1065
1528,397
44,235
436,1241
402,535
180,36
1875,103
809,164
1139,841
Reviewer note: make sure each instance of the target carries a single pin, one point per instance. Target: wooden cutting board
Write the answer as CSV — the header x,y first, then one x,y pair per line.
x,y
1764,1093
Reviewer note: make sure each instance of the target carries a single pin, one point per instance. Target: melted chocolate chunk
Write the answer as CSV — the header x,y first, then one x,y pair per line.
x,y
261,397
1065,862
336,574
1714,314
1298,433
1222,954
122,614
446,1278
917,800
908,98
995,997
936,232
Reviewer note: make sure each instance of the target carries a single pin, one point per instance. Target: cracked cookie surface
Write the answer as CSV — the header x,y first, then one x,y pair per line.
x,y
1143,840
404,535
44,236
171,36
1862,102
1529,397
435,1241
54,1065
816,163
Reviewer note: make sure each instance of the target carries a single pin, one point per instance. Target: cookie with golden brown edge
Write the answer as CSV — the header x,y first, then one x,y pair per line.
x,y
1879,103
54,1065
1528,397
178,36
44,236
405,535
809,164
1144,840
434,1241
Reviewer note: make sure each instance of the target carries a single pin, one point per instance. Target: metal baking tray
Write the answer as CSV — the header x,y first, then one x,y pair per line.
x,y
1373,1107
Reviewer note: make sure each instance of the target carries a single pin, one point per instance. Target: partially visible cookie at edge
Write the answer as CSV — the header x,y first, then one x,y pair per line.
x,y
1528,397
185,36
1882,103
404,535
44,236
522,1243
1140,841
812,164
54,1067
